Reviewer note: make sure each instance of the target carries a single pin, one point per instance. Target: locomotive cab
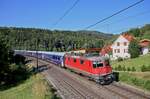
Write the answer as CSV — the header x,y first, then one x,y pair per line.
x,y
102,71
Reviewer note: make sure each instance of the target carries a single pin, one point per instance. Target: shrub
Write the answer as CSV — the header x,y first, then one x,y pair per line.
x,y
143,68
147,84
134,49
119,68
133,69
128,69
120,59
124,68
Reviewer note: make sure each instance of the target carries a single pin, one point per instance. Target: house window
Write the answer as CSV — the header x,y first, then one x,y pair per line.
x,y
125,43
124,50
118,44
118,50
115,50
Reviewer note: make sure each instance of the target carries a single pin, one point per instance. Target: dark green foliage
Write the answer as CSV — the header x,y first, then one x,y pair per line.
x,y
140,33
19,59
128,69
145,68
135,32
120,59
124,68
11,73
133,69
134,49
26,38
119,68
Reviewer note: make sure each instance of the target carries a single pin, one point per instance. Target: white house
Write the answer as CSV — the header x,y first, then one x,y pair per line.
x,y
120,46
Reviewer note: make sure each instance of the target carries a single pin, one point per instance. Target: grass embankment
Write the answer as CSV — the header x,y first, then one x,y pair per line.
x,y
33,88
136,62
140,80
134,77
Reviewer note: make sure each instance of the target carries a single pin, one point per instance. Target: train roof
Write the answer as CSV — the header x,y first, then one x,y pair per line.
x,y
54,53
90,57
44,52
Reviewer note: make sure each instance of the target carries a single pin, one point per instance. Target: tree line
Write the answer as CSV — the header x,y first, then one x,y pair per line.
x,y
43,39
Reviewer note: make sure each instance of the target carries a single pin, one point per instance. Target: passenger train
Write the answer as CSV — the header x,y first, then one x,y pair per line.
x,y
95,67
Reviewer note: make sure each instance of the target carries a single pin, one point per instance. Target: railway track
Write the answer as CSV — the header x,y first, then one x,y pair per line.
x,y
73,86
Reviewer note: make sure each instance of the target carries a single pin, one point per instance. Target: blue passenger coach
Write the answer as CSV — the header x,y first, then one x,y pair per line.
x,y
54,57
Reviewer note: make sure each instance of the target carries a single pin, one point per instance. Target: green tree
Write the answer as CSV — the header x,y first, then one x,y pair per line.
x,y
134,49
4,60
135,32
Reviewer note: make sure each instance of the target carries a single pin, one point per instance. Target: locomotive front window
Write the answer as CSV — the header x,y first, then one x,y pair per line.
x,y
97,64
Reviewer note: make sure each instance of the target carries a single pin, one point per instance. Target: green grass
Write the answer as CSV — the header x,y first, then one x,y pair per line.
x,y
140,80
136,62
33,88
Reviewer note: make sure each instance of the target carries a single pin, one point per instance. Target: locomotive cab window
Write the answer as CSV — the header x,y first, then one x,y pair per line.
x,y
97,64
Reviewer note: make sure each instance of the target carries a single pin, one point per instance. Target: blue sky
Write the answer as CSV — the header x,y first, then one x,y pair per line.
x,y
44,13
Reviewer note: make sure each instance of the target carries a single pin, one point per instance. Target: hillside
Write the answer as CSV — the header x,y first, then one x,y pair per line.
x,y
33,88
141,32
27,38
135,62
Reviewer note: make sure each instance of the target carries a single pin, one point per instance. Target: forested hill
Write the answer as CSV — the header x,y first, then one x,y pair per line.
x,y
43,39
141,32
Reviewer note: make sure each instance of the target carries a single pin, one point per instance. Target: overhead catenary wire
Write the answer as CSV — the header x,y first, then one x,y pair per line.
x,y
66,12
102,20
128,17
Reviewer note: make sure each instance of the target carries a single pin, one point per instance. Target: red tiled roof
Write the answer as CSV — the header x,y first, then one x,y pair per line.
x,y
128,36
144,43
106,50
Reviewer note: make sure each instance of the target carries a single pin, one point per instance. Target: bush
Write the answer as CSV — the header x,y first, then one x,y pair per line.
x,y
120,59
19,59
119,68
133,69
134,49
147,84
145,68
124,68
128,69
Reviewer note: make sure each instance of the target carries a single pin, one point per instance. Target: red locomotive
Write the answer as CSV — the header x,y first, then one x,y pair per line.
x,y
93,66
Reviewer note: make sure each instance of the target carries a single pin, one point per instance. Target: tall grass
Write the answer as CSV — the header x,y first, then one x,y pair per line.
x,y
33,88
133,80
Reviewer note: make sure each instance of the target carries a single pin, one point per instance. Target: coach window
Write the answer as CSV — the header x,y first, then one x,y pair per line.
x,y
81,61
53,57
58,58
74,60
